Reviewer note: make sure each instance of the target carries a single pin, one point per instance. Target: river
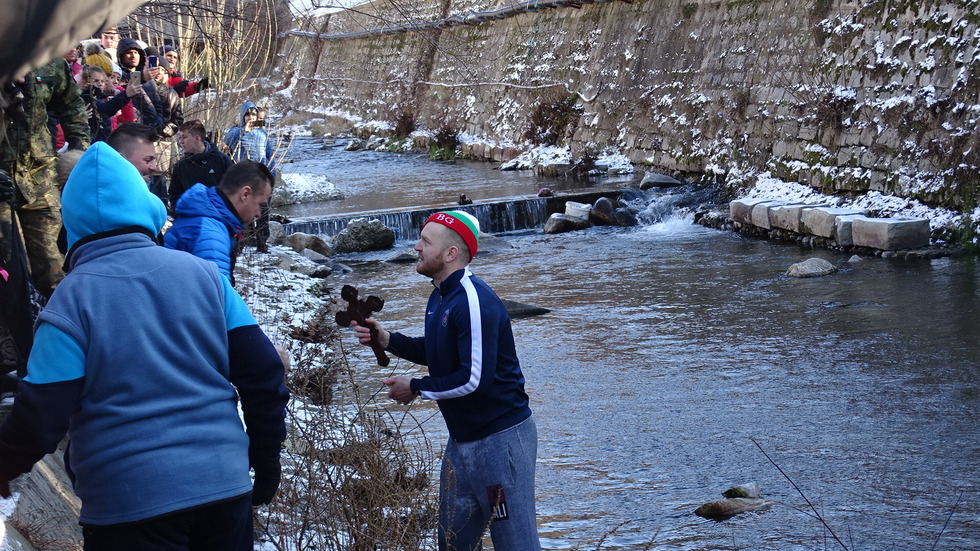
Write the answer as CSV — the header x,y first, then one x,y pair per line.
x,y
672,349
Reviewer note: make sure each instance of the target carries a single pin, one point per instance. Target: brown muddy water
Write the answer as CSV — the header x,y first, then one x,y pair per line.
x,y
670,347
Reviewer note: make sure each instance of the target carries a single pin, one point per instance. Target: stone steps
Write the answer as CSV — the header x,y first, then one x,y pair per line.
x,y
847,227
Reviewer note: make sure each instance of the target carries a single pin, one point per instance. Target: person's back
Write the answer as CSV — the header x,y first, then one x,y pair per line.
x,y
142,354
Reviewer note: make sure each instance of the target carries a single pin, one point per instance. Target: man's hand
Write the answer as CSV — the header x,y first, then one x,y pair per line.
x,y
364,333
203,84
400,389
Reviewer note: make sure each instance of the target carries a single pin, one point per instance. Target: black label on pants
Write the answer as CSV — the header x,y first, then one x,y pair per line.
x,y
497,499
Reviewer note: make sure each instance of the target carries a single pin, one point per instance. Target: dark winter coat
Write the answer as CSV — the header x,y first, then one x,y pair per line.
x,y
205,168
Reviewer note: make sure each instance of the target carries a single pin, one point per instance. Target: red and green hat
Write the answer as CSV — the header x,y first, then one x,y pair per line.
x,y
463,223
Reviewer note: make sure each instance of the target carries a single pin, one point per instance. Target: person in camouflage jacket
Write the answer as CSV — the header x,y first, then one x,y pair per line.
x,y
27,154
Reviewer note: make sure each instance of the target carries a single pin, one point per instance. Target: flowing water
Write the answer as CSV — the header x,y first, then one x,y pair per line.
x,y
674,355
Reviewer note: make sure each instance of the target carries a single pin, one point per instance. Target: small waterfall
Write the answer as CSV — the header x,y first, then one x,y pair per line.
x,y
494,218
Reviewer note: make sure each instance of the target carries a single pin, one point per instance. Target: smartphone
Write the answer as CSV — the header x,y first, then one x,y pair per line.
x,y
151,61
135,78
258,124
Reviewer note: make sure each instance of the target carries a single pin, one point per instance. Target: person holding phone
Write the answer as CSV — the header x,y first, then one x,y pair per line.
x,y
147,106
250,142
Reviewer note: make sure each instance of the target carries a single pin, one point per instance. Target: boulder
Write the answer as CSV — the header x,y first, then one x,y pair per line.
x,y
602,213
362,235
489,244
355,144
276,233
890,234
403,256
820,221
561,223
652,179
720,509
521,310
301,241
625,217
295,262
811,267
630,197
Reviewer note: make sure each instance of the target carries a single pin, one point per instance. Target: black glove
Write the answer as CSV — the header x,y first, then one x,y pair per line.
x,y
268,473
203,84
181,86
6,187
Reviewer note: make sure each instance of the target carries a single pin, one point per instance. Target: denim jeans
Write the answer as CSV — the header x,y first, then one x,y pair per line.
x,y
490,482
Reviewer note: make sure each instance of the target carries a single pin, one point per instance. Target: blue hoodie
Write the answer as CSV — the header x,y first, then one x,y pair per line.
x,y
205,227
137,357
253,145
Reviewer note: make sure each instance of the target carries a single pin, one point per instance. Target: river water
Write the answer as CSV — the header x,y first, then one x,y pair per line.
x,y
673,353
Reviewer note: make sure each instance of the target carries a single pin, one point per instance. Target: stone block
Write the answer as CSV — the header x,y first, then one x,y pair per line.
x,y
760,214
820,220
740,210
843,229
787,217
890,234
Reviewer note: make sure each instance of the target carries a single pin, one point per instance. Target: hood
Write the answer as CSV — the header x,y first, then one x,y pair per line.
x,y
200,200
245,107
127,44
105,192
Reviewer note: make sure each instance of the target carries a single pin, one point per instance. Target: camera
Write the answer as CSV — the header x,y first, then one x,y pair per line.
x,y
258,124
152,61
12,98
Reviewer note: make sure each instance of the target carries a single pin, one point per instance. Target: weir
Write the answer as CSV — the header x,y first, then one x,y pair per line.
x,y
495,217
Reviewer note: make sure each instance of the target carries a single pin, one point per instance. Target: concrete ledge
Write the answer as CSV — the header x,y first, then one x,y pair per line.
x,y
890,234
787,217
760,214
820,220
843,229
740,210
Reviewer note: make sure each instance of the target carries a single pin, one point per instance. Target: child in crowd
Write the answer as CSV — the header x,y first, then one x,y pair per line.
x,y
102,101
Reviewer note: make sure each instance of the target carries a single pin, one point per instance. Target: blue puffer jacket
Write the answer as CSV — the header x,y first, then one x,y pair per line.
x,y
205,227
253,145
141,356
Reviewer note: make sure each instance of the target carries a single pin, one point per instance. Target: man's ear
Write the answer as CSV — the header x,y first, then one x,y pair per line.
x,y
452,253
245,192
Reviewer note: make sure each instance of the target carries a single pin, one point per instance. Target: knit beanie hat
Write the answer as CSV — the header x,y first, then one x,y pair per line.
x,y
115,68
100,61
465,224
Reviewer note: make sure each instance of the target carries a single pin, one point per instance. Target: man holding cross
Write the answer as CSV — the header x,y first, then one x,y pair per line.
x,y
475,377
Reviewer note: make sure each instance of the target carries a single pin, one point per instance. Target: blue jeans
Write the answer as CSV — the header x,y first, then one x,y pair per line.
x,y
490,482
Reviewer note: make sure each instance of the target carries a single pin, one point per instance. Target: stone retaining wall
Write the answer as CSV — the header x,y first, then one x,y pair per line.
x,y
846,96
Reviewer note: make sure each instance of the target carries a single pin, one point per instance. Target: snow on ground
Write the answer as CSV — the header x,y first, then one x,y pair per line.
x,y
304,188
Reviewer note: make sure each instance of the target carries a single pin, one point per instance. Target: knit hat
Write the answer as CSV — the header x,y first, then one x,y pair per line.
x,y
100,61
465,224
115,68
168,48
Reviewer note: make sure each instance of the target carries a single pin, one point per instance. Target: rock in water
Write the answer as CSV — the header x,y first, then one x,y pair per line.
x,y
811,267
363,235
561,223
720,509
521,310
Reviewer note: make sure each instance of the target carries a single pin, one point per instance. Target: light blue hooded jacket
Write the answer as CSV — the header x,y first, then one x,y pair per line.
x,y
137,356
